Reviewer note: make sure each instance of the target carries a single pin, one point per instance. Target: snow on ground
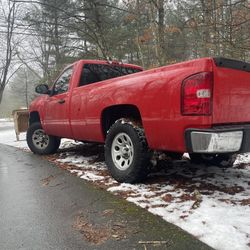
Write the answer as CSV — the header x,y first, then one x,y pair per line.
x,y
8,135
6,123
211,203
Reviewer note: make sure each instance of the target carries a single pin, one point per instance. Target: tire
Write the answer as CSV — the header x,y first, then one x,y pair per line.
x,y
221,160
126,152
39,142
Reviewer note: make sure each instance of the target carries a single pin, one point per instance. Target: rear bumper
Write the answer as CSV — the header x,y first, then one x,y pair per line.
x,y
233,139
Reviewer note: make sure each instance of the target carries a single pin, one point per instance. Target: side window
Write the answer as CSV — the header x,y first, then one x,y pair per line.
x,y
62,83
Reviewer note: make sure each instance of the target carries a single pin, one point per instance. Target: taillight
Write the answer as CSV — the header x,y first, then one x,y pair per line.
x,y
197,94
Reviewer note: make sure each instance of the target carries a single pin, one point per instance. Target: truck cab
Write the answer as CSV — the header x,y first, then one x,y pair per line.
x,y
62,109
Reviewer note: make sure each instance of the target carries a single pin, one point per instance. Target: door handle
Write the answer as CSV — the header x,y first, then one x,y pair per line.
x,y
61,101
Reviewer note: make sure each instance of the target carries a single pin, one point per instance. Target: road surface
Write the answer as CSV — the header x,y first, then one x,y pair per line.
x,y
45,207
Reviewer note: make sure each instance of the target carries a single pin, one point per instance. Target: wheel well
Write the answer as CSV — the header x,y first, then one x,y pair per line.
x,y
34,117
113,113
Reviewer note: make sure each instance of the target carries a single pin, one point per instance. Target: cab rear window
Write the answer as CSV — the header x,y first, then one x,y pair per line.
x,y
92,73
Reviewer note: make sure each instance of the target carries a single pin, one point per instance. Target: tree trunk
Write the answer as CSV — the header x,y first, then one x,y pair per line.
x,y
9,47
1,93
161,32
26,90
206,22
57,43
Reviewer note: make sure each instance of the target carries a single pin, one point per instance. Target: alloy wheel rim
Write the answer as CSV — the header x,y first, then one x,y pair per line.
x,y
40,139
122,151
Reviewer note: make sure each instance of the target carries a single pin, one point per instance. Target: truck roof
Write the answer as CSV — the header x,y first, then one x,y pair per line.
x,y
127,65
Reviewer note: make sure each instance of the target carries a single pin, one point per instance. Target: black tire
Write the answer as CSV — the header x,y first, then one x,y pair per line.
x,y
221,160
139,165
47,145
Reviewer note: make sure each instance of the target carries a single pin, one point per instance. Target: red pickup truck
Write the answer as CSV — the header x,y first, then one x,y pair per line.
x,y
201,107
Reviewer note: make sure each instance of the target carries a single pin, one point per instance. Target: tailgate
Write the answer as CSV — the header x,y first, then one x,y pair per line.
x,y
231,93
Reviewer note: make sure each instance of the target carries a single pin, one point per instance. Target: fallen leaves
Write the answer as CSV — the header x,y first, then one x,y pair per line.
x,y
97,234
92,233
242,202
108,212
46,181
167,197
245,202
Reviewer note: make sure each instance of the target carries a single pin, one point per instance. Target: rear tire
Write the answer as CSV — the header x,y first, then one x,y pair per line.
x,y
39,142
126,152
221,160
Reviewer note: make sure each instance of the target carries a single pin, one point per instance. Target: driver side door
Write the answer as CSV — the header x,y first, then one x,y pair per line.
x,y
56,120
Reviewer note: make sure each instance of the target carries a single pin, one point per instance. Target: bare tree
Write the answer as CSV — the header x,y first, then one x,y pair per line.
x,y
9,10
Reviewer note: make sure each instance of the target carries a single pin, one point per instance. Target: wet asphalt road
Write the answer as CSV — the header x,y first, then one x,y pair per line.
x,y
39,204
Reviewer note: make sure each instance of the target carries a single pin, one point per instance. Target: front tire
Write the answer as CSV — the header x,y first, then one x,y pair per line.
x,y
221,160
126,152
39,142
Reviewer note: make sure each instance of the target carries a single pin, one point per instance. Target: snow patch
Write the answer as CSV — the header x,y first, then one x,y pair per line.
x,y
91,177
8,137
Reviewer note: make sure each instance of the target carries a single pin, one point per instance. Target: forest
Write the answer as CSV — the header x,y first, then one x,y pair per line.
x,y
39,37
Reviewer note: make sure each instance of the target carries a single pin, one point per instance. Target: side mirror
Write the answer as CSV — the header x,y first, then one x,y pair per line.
x,y
42,89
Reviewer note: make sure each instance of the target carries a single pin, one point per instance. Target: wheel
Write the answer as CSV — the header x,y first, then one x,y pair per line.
x,y
126,152
39,142
223,160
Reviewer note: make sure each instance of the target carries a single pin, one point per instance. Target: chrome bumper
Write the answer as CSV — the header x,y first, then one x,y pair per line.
x,y
225,140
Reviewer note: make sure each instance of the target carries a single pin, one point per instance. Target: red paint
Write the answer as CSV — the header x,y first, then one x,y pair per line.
x,y
157,95
231,102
